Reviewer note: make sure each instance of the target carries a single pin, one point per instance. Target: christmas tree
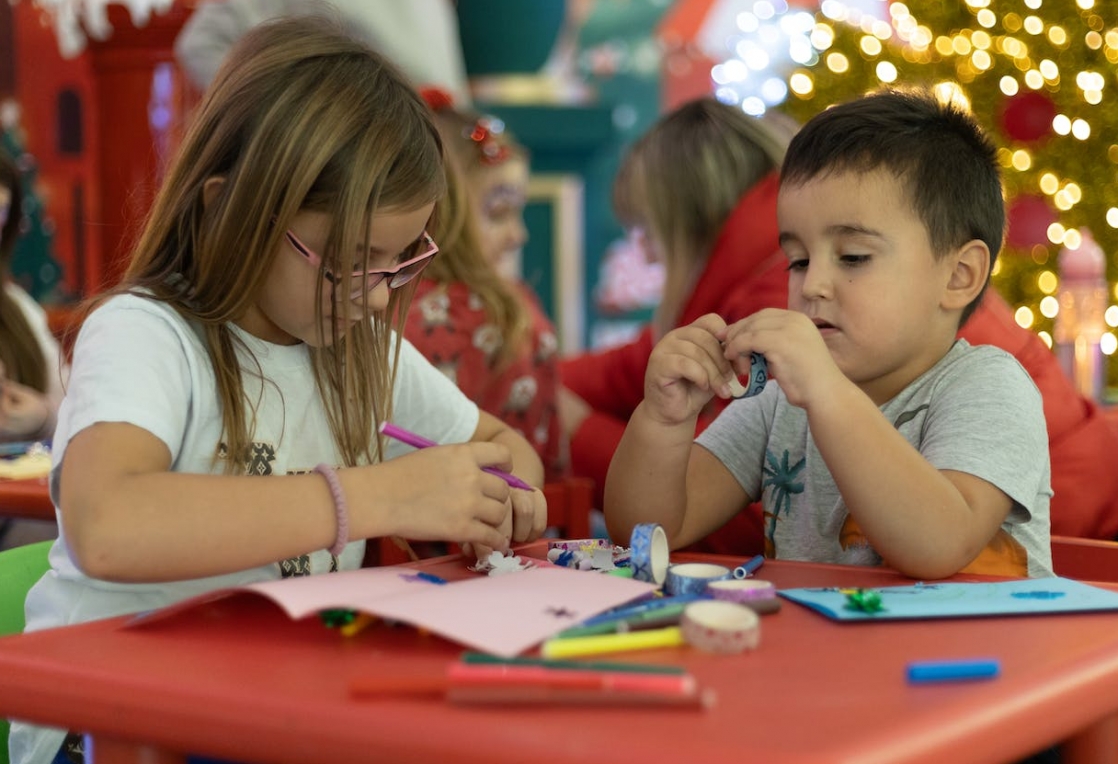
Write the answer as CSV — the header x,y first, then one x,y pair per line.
x,y
33,266
1039,75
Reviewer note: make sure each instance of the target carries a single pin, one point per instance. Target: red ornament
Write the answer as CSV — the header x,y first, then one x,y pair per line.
x,y
1028,218
1028,116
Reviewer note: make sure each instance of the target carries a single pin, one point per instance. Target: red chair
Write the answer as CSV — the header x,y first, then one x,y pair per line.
x,y
1085,559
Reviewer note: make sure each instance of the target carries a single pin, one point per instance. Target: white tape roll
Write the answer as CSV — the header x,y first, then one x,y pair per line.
x,y
716,626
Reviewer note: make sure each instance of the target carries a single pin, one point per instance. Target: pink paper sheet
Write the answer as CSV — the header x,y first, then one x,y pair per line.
x,y
502,615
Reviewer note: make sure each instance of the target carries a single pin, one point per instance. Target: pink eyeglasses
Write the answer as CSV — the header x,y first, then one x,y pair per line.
x,y
367,281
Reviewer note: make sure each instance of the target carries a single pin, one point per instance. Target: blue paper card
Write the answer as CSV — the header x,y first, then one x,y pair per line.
x,y
962,600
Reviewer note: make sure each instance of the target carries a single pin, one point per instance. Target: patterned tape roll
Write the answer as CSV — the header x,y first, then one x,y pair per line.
x,y
758,376
720,627
692,577
737,590
578,545
648,553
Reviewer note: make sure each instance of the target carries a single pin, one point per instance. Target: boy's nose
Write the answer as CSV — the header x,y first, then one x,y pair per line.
x,y
817,281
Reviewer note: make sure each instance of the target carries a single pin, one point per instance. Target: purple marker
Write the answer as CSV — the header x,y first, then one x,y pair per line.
x,y
418,441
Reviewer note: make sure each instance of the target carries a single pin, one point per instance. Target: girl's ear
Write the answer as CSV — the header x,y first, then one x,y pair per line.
x,y
969,274
211,188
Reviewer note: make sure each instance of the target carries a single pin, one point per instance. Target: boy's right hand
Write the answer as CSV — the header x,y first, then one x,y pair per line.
x,y
686,369
442,494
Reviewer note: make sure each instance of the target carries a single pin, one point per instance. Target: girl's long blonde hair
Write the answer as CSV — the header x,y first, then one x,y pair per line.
x,y
461,257
681,180
300,117
23,357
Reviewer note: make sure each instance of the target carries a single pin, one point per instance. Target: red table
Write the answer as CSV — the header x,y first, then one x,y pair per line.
x,y
27,499
236,678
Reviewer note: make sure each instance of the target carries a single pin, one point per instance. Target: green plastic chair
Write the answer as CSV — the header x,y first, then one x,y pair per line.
x,y
20,568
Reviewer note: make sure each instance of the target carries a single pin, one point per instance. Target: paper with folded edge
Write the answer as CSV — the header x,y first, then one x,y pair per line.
x,y
500,615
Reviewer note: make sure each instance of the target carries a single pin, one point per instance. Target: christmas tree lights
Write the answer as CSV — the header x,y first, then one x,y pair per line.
x,y
1040,75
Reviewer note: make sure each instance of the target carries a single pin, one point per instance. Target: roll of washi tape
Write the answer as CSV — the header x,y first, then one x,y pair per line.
x,y
735,590
693,577
758,377
648,553
580,545
759,596
716,626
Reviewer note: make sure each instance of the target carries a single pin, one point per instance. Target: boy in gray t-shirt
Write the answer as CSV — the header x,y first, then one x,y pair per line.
x,y
882,439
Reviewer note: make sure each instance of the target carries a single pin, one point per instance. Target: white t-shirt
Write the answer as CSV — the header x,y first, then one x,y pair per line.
x,y
138,361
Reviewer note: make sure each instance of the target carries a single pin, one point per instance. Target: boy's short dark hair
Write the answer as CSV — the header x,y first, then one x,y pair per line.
x,y
937,150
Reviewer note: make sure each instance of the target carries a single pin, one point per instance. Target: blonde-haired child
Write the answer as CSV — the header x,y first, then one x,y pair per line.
x,y
253,336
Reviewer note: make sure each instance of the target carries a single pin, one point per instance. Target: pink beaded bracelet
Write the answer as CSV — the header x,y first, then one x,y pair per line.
x,y
341,512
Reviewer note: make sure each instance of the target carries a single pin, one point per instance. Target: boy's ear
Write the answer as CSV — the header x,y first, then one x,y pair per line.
x,y
211,188
969,274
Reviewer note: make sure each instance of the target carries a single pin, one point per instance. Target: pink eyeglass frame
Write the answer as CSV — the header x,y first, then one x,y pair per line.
x,y
370,279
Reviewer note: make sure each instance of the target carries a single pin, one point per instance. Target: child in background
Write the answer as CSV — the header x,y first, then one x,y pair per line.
x,y
31,369
251,336
485,331
697,192
883,438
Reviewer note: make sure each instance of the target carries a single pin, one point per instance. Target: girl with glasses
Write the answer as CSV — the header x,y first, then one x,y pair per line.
x,y
254,334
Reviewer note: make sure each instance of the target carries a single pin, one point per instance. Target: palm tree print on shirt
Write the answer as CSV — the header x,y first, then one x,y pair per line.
x,y
782,479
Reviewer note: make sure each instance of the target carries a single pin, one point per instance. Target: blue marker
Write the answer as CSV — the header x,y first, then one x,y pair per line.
x,y
921,672
747,569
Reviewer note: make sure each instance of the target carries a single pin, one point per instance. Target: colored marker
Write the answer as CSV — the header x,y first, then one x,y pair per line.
x,y
921,672
641,607
748,568
640,668
669,615
521,683
612,643
418,441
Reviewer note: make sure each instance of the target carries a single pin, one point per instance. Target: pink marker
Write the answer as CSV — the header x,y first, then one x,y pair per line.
x,y
418,441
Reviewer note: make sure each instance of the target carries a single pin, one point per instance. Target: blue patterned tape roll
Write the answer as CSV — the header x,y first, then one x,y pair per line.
x,y
691,578
648,551
758,375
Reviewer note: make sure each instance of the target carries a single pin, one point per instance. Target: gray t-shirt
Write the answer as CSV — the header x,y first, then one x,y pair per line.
x,y
976,411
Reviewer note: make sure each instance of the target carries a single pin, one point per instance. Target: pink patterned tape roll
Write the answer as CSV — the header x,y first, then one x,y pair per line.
x,y
579,545
741,590
715,626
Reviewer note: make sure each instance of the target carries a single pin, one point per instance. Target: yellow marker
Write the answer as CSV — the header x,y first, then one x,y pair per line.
x,y
357,625
612,643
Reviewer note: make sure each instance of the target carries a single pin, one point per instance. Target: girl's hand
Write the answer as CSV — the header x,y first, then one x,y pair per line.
x,y
529,514
686,369
441,494
23,411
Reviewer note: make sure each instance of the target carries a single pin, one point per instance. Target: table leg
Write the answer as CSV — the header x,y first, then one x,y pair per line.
x,y
102,749
1094,745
